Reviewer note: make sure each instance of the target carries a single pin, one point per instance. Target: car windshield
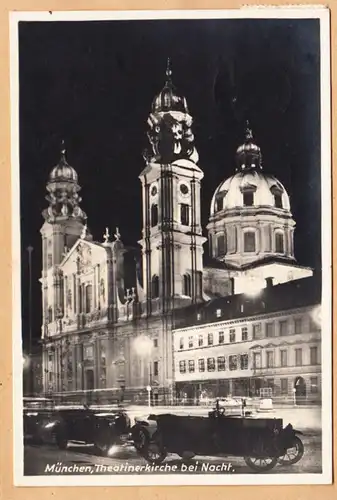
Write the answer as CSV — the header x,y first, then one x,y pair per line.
x,y
38,403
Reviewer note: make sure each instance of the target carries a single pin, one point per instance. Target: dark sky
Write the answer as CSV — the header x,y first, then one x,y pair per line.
x,y
92,84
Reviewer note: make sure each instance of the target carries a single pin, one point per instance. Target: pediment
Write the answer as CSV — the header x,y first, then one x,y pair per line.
x,y
82,255
256,346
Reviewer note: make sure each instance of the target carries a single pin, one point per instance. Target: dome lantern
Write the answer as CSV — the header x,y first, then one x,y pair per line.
x,y
63,171
248,155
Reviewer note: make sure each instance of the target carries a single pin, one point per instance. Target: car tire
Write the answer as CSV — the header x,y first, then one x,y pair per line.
x,y
292,458
186,456
140,438
154,451
261,464
61,441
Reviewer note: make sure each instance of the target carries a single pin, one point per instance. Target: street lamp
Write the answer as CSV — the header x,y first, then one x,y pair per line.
x,y
143,345
30,251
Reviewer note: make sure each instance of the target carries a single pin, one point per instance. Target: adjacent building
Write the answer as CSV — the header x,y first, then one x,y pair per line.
x,y
249,346
109,312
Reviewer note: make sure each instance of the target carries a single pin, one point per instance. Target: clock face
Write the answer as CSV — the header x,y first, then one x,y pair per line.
x,y
183,189
154,191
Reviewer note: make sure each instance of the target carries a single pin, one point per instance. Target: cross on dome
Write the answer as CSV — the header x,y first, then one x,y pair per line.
x,y
168,69
63,148
249,132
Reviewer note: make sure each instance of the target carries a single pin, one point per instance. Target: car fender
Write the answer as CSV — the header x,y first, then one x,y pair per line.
x,y
151,426
298,432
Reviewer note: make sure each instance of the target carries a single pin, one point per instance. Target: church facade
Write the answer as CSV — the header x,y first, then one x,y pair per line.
x,y
103,339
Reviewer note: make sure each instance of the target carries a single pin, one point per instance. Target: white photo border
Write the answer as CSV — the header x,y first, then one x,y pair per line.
x,y
249,12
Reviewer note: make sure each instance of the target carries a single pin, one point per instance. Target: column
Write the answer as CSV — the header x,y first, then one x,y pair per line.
x,y
97,364
44,367
79,367
94,290
73,383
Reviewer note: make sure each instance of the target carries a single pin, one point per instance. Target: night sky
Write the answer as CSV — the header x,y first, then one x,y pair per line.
x,y
92,84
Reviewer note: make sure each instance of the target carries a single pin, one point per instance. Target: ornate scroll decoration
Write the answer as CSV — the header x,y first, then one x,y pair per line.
x,y
171,137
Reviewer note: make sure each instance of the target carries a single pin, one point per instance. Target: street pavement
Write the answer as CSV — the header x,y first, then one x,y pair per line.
x,y
49,460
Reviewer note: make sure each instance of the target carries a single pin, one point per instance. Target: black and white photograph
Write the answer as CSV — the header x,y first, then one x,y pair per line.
x,y
171,203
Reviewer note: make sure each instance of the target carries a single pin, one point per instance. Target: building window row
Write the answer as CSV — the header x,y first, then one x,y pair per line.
x,y
283,359
184,215
282,328
248,199
233,336
270,329
235,362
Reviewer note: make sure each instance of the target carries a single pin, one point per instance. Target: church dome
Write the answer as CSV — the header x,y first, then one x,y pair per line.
x,y
250,218
249,187
168,98
259,189
63,171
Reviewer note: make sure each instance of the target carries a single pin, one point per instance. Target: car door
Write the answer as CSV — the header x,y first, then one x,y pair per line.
x,y
85,424
71,421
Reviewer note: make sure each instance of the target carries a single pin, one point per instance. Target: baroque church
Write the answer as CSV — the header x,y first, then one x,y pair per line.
x,y
101,338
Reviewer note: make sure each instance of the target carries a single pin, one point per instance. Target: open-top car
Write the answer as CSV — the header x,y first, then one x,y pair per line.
x,y
262,442
38,412
83,424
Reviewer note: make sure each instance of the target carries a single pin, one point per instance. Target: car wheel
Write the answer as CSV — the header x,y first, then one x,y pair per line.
x,y
140,439
61,441
186,455
261,464
293,454
154,451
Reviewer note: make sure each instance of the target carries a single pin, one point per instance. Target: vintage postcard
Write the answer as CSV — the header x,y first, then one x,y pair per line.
x,y
171,208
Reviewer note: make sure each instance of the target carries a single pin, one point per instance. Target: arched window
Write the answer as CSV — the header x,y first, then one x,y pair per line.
x,y
279,242
278,200
155,287
88,298
248,198
154,215
221,244
219,204
185,214
187,285
199,283
249,241
50,314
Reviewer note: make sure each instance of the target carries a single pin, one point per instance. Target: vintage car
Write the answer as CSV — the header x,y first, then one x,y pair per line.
x,y
262,442
38,412
83,424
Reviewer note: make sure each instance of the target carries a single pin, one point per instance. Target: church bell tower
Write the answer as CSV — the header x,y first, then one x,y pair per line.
x,y
172,241
64,222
